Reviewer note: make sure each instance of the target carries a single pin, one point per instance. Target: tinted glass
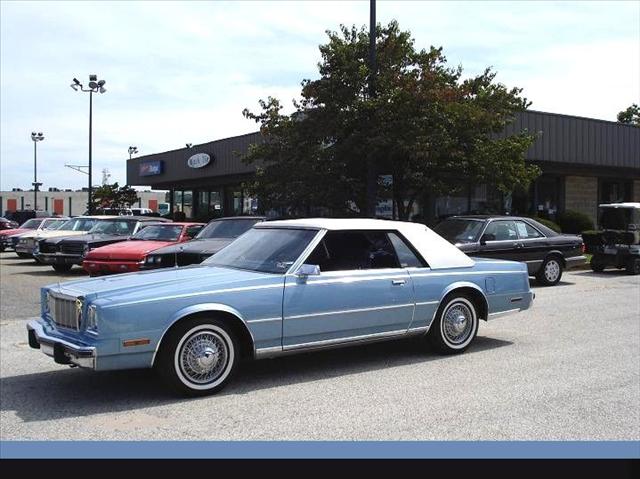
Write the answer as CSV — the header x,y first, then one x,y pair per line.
x,y
459,230
193,230
405,255
350,250
502,230
31,224
526,231
266,250
114,227
159,233
226,228
54,224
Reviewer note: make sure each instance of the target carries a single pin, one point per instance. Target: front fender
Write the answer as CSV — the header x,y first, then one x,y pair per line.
x,y
199,308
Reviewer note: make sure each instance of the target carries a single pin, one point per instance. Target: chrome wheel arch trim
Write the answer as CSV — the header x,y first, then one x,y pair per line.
x,y
202,308
459,285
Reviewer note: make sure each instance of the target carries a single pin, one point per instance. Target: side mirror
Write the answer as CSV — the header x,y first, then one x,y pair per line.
x,y
308,270
487,237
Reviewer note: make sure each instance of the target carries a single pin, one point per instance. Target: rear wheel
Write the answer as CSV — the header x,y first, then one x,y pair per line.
x,y
597,264
198,356
633,266
62,268
550,272
455,326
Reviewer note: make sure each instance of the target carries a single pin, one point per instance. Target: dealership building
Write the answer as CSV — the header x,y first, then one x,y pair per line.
x,y
584,162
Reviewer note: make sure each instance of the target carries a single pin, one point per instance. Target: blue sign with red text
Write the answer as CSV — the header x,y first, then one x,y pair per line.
x,y
150,168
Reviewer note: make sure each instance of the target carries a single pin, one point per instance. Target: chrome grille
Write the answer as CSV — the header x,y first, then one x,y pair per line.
x,y
47,247
75,248
64,311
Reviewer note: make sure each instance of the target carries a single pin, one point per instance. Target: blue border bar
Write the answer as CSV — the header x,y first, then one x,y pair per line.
x,y
321,449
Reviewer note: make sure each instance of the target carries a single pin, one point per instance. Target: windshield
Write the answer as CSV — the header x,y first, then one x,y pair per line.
x,y
54,224
78,224
113,227
31,224
159,233
267,250
226,228
458,230
619,218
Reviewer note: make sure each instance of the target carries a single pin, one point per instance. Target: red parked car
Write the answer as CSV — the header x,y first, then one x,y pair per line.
x,y
127,256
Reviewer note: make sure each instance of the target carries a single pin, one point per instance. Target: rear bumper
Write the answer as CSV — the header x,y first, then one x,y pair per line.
x,y
575,262
62,351
97,267
58,258
518,303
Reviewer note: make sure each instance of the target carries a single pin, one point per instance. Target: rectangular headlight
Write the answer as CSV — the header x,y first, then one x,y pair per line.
x,y
92,318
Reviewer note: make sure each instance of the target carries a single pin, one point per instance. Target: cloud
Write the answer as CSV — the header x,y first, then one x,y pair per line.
x,y
182,72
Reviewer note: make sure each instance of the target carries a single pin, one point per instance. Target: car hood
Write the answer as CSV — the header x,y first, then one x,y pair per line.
x,y
157,283
15,231
200,246
54,234
130,250
97,238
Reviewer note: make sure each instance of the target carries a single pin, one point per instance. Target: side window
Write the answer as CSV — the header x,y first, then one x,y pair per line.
x,y
502,230
526,231
406,257
349,250
192,231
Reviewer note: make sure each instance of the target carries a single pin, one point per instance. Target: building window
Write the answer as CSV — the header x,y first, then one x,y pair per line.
x,y
615,191
215,203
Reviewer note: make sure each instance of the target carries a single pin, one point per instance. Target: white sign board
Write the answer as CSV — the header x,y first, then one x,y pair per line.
x,y
198,160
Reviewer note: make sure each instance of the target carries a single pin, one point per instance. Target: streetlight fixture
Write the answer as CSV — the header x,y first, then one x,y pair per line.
x,y
95,86
36,137
133,150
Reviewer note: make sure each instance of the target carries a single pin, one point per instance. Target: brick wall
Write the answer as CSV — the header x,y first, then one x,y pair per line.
x,y
581,194
636,190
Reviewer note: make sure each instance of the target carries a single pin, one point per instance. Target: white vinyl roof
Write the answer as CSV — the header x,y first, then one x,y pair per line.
x,y
436,250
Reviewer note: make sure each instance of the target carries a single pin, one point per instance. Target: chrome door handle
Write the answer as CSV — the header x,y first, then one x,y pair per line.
x,y
398,282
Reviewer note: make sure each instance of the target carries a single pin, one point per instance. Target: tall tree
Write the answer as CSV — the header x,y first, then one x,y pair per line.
x,y
428,127
630,116
114,196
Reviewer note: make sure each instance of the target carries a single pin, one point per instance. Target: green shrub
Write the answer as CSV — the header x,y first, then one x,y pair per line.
x,y
548,223
574,222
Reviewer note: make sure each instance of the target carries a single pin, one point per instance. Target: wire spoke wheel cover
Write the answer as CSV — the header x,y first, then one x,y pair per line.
x,y
458,324
204,357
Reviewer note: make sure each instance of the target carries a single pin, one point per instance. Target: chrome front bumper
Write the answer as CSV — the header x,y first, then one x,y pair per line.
x,y
62,351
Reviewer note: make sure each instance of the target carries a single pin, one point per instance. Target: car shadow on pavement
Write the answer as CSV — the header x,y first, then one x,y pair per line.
x,y
607,273
49,271
535,284
74,392
20,262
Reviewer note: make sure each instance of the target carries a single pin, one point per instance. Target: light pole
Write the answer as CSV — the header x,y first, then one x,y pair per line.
x,y
36,137
95,86
371,175
132,151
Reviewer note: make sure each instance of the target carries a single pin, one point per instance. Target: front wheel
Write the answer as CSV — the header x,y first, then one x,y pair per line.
x,y
198,357
455,326
633,266
597,264
550,272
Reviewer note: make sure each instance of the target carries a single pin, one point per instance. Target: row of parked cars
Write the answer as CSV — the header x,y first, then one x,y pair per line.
x,y
108,244
119,244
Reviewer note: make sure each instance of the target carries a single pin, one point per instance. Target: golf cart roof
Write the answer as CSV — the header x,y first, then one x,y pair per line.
x,y
621,205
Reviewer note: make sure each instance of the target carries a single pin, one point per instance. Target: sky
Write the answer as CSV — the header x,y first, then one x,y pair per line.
x,y
183,72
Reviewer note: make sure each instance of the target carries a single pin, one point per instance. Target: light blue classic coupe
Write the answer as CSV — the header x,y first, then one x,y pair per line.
x,y
282,287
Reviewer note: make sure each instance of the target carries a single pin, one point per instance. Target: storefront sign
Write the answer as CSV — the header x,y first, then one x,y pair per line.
x,y
198,160
150,168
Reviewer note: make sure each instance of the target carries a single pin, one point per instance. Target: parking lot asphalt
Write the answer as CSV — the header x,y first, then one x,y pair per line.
x,y
567,369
